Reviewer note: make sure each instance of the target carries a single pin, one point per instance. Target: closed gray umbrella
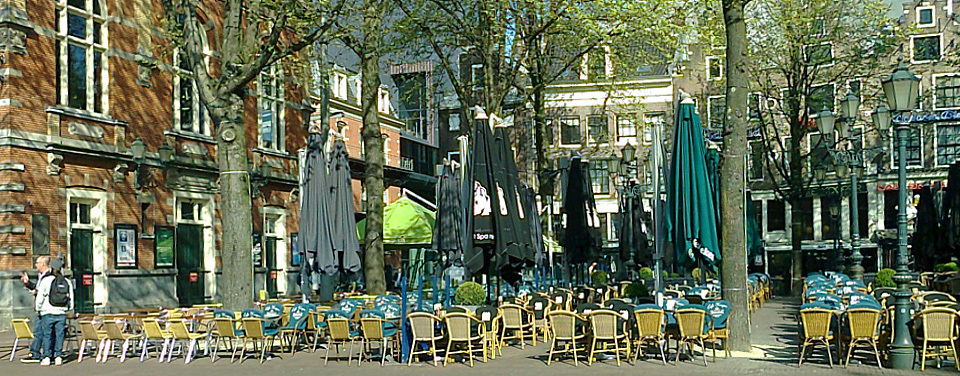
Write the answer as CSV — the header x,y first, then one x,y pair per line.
x,y
314,239
343,222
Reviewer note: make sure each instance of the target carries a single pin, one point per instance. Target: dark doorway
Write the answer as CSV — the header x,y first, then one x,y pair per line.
x,y
81,263
189,259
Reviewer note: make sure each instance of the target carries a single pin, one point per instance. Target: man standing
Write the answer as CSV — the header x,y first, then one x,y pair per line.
x,y
43,268
54,299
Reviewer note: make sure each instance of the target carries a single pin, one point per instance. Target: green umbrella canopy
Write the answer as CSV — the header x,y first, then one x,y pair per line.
x,y
404,223
691,216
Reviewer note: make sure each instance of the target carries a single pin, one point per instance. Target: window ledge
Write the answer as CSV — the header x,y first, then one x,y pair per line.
x,y
191,136
85,115
275,153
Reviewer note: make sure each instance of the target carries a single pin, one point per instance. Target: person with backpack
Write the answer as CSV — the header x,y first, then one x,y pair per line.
x,y
43,268
54,299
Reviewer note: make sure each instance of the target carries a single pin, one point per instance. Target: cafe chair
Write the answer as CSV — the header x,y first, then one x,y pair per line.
x,y
151,332
519,321
608,329
490,318
180,335
89,333
719,312
864,331
296,325
340,334
939,327
375,329
114,330
464,330
565,331
692,326
422,326
21,328
225,328
650,329
257,329
815,330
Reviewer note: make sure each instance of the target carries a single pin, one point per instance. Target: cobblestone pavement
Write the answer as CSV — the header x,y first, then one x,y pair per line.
x,y
773,333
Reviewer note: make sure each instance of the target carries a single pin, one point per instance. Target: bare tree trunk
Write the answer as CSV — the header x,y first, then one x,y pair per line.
x,y
732,185
236,255
372,148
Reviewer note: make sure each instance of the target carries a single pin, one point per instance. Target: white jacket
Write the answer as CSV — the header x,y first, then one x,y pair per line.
x,y
42,303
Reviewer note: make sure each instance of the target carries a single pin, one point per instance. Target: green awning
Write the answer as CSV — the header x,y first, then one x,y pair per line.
x,y
404,223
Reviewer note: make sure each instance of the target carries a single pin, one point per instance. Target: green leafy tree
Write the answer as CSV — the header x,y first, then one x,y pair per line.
x,y
253,35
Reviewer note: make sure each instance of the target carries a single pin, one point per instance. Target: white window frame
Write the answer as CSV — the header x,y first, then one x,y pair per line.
x,y
90,47
810,145
893,146
339,85
631,118
560,124
912,52
833,106
710,100
933,16
823,28
477,86
710,61
936,146
648,125
606,122
179,75
450,123
933,80
273,72
206,212
833,55
279,214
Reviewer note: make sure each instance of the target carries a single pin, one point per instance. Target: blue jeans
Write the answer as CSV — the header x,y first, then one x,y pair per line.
x,y
37,339
53,329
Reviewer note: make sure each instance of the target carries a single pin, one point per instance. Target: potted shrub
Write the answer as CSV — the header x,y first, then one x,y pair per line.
x,y
885,278
645,274
470,294
636,291
599,278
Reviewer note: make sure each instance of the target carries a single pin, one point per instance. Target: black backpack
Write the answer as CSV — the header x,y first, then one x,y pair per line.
x,y
59,291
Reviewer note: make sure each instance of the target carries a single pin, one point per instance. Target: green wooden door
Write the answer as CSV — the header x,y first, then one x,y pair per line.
x,y
189,263
270,246
81,263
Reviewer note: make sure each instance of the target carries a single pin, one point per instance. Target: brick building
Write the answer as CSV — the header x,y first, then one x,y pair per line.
x,y
108,159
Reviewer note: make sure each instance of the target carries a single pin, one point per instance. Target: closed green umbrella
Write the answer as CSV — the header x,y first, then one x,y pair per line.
x,y
691,216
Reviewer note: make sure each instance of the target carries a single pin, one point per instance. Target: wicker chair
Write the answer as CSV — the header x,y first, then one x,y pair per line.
x,y
691,324
608,329
649,330
225,328
864,330
563,325
719,311
459,331
939,329
539,306
519,320
258,329
490,317
376,329
815,330
340,334
421,325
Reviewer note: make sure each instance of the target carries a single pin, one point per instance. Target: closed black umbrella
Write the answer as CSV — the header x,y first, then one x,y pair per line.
x,y
481,221
536,229
950,218
577,237
447,231
315,238
343,221
514,251
926,232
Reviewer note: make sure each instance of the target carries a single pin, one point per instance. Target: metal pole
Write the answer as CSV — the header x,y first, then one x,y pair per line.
x,y
856,270
901,353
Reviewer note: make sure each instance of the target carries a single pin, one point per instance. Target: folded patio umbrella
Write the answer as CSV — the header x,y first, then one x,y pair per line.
x,y
481,221
315,239
343,220
690,217
447,231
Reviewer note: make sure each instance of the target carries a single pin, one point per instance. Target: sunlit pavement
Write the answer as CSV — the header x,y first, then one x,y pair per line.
x,y
774,352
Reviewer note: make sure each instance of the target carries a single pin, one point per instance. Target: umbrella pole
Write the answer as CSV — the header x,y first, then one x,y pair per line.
x,y
420,293
404,325
436,290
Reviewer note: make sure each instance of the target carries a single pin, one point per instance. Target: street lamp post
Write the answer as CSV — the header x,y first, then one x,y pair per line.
x,y
850,105
901,90
629,190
